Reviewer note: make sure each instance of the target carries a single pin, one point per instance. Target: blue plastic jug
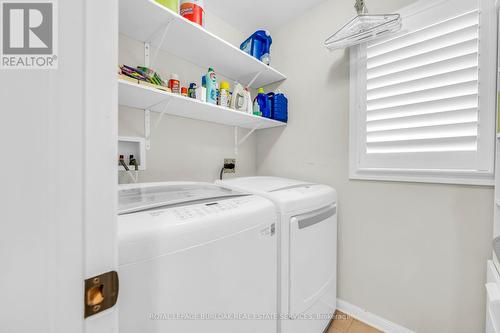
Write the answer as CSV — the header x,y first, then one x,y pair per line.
x,y
264,103
279,106
259,46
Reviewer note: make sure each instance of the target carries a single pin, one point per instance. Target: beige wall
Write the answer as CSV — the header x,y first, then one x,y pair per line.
x,y
412,253
183,149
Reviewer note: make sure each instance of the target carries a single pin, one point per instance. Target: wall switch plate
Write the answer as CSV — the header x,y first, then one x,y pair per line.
x,y
229,165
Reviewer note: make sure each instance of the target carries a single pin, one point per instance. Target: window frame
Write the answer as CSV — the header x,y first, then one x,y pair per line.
x,y
485,154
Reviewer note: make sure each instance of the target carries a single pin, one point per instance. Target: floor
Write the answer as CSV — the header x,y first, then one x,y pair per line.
x,y
343,323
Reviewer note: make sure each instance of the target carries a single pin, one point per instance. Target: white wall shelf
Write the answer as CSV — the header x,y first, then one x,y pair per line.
x,y
152,23
146,98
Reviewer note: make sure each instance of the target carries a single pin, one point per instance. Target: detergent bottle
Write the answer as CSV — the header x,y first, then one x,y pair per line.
x,y
279,106
256,108
248,101
211,82
264,105
259,46
239,98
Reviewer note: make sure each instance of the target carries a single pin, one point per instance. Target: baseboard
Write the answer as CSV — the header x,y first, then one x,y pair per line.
x,y
370,318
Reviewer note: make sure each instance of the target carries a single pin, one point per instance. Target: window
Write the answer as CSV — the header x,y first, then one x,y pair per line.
x,y
423,101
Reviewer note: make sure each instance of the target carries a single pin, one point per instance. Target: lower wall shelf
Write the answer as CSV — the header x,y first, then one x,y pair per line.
x,y
142,97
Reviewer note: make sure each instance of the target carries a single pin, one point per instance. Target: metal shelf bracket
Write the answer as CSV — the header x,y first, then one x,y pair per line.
x,y
160,45
147,123
238,143
256,76
148,61
147,128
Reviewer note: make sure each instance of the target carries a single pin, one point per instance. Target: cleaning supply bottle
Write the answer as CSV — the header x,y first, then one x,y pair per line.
x,y
248,101
259,46
184,91
263,101
211,82
193,10
279,106
192,90
174,84
238,99
256,108
201,92
270,104
224,94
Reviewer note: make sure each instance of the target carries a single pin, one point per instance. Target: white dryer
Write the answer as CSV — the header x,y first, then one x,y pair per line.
x,y
195,257
307,254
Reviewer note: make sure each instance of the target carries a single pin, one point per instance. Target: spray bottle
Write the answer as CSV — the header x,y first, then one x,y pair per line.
x,y
211,82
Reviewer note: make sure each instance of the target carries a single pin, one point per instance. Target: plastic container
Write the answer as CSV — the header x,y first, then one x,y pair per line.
x,y
256,108
192,90
184,91
259,46
170,4
264,104
239,99
194,11
211,83
279,106
224,99
201,92
248,98
174,84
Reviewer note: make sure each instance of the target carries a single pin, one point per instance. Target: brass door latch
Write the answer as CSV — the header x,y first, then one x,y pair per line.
x,y
101,293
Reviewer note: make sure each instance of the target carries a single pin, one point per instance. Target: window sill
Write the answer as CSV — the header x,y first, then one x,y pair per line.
x,y
425,176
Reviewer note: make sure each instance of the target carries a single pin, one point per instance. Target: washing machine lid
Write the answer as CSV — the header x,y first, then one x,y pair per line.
x,y
288,195
140,197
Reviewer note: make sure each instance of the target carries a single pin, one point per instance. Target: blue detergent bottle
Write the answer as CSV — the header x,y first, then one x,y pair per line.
x,y
264,105
279,106
259,46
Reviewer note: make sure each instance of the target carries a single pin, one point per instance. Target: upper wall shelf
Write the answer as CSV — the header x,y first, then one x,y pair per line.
x,y
150,22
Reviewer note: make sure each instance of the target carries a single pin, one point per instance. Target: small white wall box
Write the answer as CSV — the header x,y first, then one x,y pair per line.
x,y
128,145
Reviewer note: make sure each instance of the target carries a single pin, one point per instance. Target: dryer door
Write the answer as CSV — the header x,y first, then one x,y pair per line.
x,y
313,261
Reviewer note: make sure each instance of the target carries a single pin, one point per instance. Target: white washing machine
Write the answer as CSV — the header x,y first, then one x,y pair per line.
x,y
195,257
307,255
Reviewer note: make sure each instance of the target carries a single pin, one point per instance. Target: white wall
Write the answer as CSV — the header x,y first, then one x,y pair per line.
x,y
184,149
412,253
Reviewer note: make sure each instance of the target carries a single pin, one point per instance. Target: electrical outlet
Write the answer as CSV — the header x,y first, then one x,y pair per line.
x,y
229,165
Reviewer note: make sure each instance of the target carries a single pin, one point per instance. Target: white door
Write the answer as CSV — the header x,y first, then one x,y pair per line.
x,y
58,198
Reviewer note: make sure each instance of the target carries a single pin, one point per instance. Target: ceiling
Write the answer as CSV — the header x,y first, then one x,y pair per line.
x,y
248,16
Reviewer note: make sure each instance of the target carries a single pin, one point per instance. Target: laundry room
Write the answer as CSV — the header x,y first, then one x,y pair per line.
x,y
257,166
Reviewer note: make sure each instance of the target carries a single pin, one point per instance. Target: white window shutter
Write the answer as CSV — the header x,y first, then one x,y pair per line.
x,y
423,102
